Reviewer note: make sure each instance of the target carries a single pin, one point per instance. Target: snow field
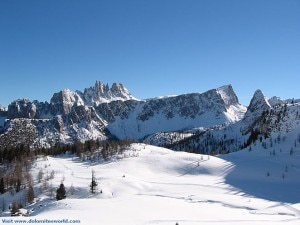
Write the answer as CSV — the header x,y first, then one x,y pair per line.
x,y
153,185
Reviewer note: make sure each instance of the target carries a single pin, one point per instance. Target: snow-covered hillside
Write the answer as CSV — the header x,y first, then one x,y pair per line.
x,y
152,185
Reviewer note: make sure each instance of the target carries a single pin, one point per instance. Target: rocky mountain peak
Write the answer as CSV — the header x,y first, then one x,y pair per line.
x,y
21,108
258,105
228,95
63,101
259,102
101,93
119,91
99,89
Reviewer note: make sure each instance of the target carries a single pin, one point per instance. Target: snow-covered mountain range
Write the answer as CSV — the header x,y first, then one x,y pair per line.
x,y
196,122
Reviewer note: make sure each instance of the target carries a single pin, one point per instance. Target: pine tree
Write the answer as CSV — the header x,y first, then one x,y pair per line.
x,y
61,192
18,185
94,183
2,190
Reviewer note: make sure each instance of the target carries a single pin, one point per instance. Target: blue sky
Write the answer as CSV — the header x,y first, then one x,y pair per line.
x,y
153,47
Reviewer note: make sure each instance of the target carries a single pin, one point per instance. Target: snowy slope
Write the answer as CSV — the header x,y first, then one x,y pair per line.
x,y
268,169
152,185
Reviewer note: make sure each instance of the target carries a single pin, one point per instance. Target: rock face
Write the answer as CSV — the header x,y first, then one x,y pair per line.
x,y
228,96
62,102
22,108
102,111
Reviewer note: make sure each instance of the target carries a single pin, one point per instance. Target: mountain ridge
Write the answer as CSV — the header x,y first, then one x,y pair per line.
x,y
101,112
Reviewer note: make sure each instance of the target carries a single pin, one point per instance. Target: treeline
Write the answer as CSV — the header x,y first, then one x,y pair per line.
x,y
24,152
10,154
203,142
16,162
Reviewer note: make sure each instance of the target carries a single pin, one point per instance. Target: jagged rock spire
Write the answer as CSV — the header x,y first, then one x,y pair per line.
x,y
101,93
258,104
